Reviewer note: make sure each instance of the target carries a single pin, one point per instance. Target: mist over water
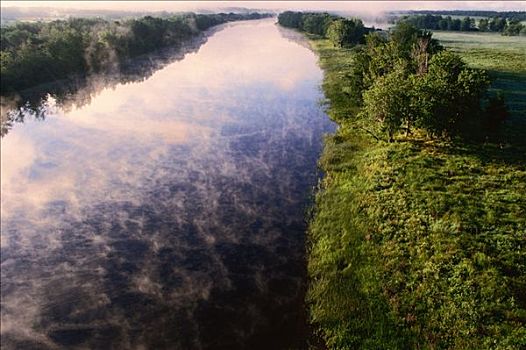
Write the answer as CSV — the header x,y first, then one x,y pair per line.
x,y
167,213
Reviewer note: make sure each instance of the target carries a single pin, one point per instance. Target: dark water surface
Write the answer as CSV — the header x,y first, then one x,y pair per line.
x,y
167,213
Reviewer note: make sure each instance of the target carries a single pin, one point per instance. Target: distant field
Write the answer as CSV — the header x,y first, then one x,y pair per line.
x,y
467,41
504,57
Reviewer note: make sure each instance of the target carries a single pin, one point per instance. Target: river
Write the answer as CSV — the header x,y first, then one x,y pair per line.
x,y
167,213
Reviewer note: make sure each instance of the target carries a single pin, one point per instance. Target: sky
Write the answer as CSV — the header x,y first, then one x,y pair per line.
x,y
357,6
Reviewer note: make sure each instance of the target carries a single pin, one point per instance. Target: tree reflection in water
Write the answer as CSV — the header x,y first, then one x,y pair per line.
x,y
78,91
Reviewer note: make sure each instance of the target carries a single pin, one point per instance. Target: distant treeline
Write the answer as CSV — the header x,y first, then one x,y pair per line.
x,y
512,15
467,24
36,53
341,31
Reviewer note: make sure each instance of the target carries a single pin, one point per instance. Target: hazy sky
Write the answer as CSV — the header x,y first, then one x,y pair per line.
x,y
358,6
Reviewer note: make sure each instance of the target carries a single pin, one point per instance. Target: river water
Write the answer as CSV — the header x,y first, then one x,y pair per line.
x,y
167,213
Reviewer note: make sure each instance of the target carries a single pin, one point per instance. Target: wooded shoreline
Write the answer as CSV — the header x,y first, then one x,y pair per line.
x,y
37,53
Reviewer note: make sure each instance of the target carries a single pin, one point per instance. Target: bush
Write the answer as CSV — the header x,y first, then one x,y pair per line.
x,y
388,103
410,81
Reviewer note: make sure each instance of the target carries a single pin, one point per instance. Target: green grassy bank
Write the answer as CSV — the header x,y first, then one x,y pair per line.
x,y
420,244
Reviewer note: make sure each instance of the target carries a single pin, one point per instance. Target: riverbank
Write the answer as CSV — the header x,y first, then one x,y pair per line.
x,y
44,52
417,243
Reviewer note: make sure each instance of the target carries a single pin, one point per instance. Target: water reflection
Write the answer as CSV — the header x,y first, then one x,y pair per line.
x,y
79,91
167,213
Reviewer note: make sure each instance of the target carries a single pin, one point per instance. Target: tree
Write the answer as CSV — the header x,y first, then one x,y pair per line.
x,y
467,24
455,24
484,25
514,27
448,96
357,77
387,103
443,24
290,19
497,24
404,36
412,45
345,32
443,99
420,53
316,23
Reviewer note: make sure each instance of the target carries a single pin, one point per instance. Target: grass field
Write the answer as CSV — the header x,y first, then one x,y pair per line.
x,y
420,244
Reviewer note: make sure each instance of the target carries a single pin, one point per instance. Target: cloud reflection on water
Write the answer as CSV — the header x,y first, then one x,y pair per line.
x,y
167,213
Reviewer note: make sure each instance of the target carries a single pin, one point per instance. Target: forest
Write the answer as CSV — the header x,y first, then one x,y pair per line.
x,y
506,26
42,52
416,236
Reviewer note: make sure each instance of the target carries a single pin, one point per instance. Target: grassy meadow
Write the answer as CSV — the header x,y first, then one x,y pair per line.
x,y
420,243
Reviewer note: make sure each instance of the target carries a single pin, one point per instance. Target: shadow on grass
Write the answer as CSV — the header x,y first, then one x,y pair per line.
x,y
503,153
